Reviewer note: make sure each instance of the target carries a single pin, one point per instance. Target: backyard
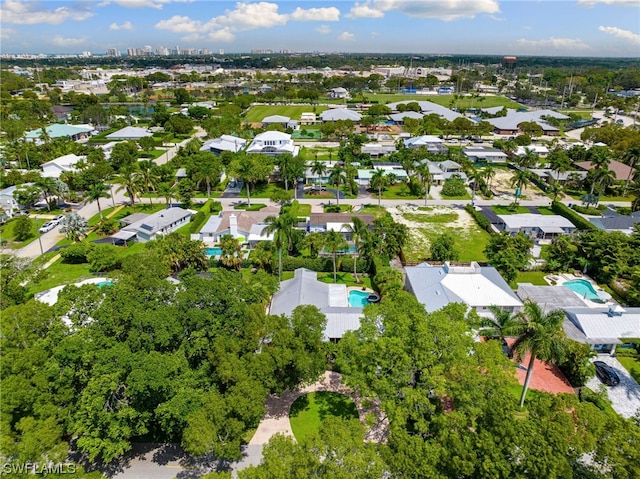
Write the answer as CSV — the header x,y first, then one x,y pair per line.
x,y
426,223
309,411
259,112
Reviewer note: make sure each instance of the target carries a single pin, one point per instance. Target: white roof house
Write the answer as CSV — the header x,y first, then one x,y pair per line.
x,y
433,144
273,143
54,168
480,153
331,299
539,150
510,123
428,108
336,114
224,143
602,328
160,223
476,286
243,225
8,202
540,226
129,133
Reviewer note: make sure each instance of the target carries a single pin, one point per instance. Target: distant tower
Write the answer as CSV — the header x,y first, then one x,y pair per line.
x,y
509,62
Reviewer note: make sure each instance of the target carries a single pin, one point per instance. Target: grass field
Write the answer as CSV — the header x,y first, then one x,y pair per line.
x,y
7,235
533,277
345,278
508,210
258,112
445,100
632,365
308,411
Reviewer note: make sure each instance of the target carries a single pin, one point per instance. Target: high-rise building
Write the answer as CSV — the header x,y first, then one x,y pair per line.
x,y
221,51
113,52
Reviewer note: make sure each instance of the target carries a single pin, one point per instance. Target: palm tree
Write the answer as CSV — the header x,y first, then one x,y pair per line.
x,y
605,178
476,176
319,168
337,177
74,227
243,168
313,241
130,181
426,177
334,242
358,230
231,256
489,174
95,192
378,181
519,181
503,323
165,190
633,160
282,229
560,162
148,178
542,337
634,189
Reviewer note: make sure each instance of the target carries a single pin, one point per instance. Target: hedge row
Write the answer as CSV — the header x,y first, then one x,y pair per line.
x,y
580,222
324,265
198,220
587,210
481,219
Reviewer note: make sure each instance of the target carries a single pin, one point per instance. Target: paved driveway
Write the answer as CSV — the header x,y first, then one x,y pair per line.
x,y
625,397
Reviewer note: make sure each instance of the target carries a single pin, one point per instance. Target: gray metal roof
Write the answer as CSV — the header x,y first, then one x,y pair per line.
x,y
599,326
158,221
550,297
335,114
531,220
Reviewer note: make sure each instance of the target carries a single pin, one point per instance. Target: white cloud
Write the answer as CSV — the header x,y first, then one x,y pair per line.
x,y
620,33
248,16
623,3
324,29
125,26
6,33
157,4
330,14
180,24
445,10
346,36
561,45
222,35
28,13
364,10
67,42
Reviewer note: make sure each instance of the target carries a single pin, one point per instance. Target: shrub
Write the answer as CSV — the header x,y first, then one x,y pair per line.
x,y
107,227
481,219
454,187
576,365
587,210
346,264
22,229
580,222
599,399
103,257
77,253
291,263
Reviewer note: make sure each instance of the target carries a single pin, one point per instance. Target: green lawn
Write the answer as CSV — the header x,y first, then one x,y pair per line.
x,y
7,235
345,278
259,112
397,192
264,190
508,210
466,196
533,277
632,365
245,206
318,153
545,210
308,411
374,210
445,100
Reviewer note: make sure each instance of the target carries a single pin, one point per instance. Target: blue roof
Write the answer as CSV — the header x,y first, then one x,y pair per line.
x,y
59,130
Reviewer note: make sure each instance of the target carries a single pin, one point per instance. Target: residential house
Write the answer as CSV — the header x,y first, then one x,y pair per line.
x,y
376,150
8,202
246,226
429,108
477,286
550,298
58,130
54,168
536,225
129,133
335,114
442,171
331,299
273,143
433,144
541,150
340,222
549,176
481,154
602,328
224,143
510,124
154,225
399,118
308,118
622,172
364,176
283,121
611,220
338,93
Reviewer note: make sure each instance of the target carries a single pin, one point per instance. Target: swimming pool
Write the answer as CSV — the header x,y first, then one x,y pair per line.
x,y
102,284
358,299
214,251
584,288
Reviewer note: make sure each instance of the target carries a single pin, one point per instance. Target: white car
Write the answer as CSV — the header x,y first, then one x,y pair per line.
x,y
48,226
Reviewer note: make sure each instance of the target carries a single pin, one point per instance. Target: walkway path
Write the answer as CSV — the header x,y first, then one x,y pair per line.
x,y
276,420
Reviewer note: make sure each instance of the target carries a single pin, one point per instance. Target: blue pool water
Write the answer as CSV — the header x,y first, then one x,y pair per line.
x,y
358,299
583,288
102,284
214,251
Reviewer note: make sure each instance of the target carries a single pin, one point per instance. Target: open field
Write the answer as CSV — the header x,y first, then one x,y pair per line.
x,y
258,112
445,100
426,223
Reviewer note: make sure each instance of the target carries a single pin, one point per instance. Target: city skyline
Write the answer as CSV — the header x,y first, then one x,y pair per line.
x,y
579,28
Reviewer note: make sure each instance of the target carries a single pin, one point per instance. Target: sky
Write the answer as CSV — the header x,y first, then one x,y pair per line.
x,y
583,28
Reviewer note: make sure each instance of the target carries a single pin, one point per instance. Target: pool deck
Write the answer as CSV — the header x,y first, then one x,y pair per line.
x,y
50,296
362,290
562,278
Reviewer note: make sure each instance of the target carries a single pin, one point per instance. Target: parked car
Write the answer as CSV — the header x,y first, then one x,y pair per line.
x,y
58,218
606,373
48,226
